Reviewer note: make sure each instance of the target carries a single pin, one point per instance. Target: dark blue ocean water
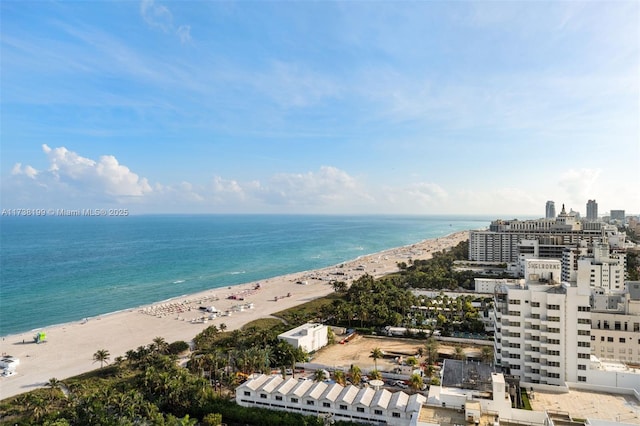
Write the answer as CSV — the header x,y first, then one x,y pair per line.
x,y
59,269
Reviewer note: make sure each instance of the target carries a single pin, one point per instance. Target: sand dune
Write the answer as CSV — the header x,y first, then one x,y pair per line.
x,y
70,347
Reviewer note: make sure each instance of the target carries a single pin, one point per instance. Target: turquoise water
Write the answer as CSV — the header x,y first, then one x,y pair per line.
x,y
59,269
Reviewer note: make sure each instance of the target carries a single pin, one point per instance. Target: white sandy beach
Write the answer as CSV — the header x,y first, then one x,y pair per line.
x,y
70,347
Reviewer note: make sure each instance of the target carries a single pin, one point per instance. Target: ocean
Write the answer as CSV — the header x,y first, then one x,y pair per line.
x,y
55,270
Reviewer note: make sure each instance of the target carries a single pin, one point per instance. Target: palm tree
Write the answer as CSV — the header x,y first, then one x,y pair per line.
x,y
458,353
375,375
431,349
160,345
376,353
319,375
355,373
340,377
222,327
416,382
487,354
101,356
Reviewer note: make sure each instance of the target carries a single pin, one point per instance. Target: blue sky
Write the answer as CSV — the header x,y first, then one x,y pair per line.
x,y
320,107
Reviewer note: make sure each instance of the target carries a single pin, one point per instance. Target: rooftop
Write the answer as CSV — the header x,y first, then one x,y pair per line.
x,y
467,375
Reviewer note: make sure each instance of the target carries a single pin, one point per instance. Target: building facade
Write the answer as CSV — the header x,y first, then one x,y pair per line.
x,y
348,403
592,210
309,337
550,210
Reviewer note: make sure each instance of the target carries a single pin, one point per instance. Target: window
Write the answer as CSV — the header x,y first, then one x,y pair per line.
x,y
343,407
263,395
553,307
583,332
584,356
584,308
395,415
584,321
553,375
514,302
535,316
247,393
584,344
514,356
582,379
553,364
377,412
553,330
582,367
294,400
514,334
609,339
535,304
310,402
326,405
360,410
622,340
554,319
602,338
514,345
514,323
554,353
514,313
553,341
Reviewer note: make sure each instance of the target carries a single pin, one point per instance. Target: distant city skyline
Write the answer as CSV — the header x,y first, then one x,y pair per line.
x,y
481,108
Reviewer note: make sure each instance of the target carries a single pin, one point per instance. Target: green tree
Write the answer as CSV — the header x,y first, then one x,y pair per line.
x,y
355,373
415,382
376,354
375,375
431,350
319,375
212,419
102,356
458,353
487,354
340,377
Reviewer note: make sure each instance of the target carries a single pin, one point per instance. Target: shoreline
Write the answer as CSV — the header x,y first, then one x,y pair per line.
x,y
70,346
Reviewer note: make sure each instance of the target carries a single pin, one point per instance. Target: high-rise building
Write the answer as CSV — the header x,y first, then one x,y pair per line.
x,y
618,216
592,210
550,210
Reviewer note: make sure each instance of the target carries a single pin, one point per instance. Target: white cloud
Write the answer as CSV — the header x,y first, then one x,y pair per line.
x,y
184,33
159,16
155,15
26,170
579,184
105,176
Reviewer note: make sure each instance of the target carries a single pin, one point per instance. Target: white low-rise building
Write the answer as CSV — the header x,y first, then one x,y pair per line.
x,y
348,403
309,337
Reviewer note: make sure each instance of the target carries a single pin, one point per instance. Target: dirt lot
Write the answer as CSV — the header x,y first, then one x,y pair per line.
x,y
358,352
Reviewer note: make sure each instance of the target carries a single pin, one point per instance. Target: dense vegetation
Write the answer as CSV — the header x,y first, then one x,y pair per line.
x,y
147,387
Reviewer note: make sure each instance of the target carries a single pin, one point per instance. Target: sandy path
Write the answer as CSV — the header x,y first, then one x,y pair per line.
x,y
70,347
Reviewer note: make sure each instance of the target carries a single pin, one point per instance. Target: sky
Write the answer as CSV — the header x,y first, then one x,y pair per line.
x,y
302,107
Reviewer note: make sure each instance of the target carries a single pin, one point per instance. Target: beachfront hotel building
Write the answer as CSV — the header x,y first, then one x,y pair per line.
x,y
566,334
310,336
510,241
348,403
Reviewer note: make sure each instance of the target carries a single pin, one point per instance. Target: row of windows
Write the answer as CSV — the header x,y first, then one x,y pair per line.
x,y
584,308
553,307
610,339
584,321
553,330
359,409
553,364
584,344
584,356
312,402
553,341
553,319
